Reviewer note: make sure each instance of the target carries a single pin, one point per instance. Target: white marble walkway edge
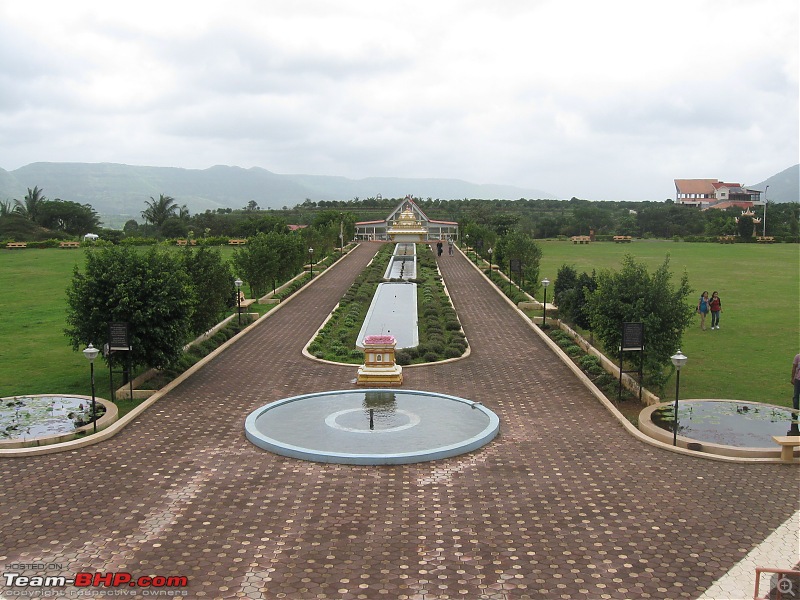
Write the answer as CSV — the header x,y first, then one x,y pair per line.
x,y
781,550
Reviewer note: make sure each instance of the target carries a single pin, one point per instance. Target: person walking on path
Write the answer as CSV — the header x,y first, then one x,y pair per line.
x,y
702,308
450,247
439,248
715,306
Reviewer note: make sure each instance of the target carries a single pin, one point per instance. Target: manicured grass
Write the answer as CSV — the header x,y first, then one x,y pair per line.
x,y
35,355
750,356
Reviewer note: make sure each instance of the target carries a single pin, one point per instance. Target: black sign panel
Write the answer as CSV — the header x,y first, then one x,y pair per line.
x,y
118,338
516,265
632,336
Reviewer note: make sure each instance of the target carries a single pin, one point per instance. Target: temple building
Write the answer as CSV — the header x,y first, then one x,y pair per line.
x,y
407,223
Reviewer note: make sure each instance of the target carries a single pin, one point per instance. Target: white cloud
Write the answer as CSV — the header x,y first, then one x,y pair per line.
x,y
573,96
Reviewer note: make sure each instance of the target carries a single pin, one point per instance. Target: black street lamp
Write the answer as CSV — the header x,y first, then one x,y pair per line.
x,y
490,263
91,353
678,360
311,261
238,283
545,283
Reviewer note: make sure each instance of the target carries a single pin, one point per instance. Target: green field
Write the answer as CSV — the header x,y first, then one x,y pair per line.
x,y
35,356
749,358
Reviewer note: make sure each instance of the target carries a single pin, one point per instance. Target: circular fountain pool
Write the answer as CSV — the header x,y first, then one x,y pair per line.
x,y
372,427
723,427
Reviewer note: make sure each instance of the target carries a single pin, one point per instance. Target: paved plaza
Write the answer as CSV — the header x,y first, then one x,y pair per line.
x,y
564,503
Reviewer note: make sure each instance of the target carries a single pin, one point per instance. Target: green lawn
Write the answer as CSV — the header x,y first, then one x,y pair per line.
x,y
35,355
750,356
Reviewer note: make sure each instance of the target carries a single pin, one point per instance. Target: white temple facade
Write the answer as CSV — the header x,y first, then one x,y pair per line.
x,y
407,223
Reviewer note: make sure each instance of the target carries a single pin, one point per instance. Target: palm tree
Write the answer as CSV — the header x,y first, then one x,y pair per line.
x,y
6,208
31,204
160,210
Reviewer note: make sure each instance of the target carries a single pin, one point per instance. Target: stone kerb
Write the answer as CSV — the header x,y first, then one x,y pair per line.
x,y
628,382
103,422
601,397
118,425
270,297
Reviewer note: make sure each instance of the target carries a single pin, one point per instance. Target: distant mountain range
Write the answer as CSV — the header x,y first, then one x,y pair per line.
x,y
114,189
783,187
121,190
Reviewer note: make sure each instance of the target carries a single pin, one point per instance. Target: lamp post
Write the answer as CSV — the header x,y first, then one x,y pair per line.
x,y
466,241
490,264
678,360
765,212
91,353
545,283
238,284
311,262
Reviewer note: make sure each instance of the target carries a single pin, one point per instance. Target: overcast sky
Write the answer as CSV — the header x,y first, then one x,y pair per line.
x,y
600,100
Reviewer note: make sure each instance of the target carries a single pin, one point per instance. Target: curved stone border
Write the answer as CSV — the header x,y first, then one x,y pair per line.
x,y
401,458
625,423
103,422
467,352
649,428
120,424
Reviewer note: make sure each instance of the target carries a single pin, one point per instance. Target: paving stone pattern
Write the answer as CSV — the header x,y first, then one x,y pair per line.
x,y
562,504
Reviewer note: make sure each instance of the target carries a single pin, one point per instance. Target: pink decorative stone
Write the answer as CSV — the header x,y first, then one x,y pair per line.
x,y
379,339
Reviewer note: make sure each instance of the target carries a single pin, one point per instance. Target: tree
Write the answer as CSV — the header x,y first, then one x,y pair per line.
x,y
267,258
150,291
634,295
30,206
173,227
212,282
520,246
69,217
160,210
744,228
571,291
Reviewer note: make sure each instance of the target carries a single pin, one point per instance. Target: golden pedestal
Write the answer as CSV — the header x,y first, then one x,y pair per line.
x,y
379,368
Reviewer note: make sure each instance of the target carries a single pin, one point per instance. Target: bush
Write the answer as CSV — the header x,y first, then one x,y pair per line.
x,y
403,357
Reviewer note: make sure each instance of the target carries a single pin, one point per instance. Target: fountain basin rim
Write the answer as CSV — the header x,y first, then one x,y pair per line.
x,y
110,416
652,430
396,458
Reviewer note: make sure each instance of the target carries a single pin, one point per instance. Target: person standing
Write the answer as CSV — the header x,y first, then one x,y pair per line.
x,y
795,381
702,308
439,248
715,306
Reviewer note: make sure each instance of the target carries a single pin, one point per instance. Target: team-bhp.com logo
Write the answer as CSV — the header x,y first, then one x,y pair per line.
x,y
120,579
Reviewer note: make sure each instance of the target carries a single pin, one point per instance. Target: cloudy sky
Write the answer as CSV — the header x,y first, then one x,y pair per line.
x,y
600,100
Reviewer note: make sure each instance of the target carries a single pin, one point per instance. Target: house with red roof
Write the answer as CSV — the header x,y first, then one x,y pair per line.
x,y
712,193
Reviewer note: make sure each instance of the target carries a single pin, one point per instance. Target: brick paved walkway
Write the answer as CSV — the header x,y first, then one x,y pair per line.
x,y
563,504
